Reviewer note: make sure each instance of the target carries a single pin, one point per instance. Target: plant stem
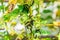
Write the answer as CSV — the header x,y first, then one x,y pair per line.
x,y
2,5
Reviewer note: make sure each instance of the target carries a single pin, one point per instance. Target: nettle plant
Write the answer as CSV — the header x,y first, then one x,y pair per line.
x,y
22,15
22,18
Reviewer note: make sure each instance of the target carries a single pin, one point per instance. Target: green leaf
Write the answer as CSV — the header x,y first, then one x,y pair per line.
x,y
14,12
23,8
36,1
26,8
58,6
47,38
1,7
20,7
6,17
11,15
44,32
47,11
23,18
6,8
52,0
6,37
49,17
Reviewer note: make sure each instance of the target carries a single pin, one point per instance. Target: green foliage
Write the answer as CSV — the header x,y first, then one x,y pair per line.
x,y
53,0
23,18
6,8
44,32
47,11
11,15
20,2
48,1
14,13
6,17
23,10
1,7
46,39
26,8
49,17
20,7
4,35
36,1
6,38
43,21
58,6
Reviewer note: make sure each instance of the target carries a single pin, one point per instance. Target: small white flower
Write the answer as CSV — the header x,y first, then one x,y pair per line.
x,y
34,12
19,27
